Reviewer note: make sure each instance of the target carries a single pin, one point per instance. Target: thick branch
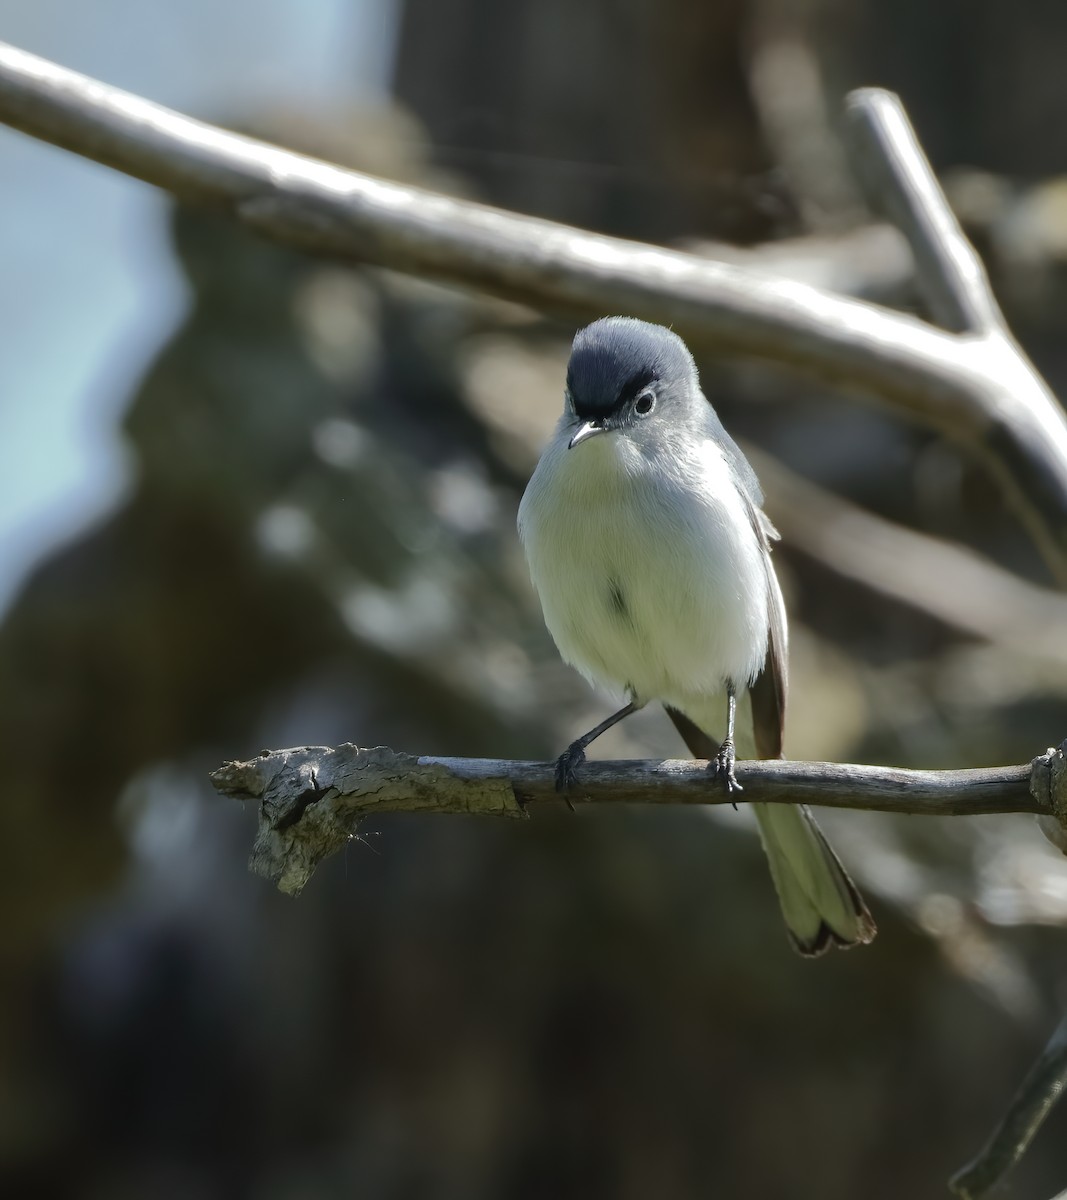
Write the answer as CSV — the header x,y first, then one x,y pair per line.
x,y
312,799
979,391
324,208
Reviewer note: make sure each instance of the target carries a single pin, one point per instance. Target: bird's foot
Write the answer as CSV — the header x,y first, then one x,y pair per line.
x,y
567,769
724,768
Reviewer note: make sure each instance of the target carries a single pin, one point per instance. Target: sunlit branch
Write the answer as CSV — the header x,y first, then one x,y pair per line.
x,y
977,387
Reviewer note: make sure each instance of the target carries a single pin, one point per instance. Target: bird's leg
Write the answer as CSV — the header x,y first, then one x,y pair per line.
x,y
724,760
572,758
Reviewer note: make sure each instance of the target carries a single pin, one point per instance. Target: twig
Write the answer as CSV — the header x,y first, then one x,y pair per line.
x,y
1033,1102
980,391
312,799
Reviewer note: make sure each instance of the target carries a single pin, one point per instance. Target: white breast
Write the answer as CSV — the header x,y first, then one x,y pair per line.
x,y
650,575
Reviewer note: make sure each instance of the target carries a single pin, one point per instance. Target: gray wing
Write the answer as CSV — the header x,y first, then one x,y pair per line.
x,y
768,691
743,473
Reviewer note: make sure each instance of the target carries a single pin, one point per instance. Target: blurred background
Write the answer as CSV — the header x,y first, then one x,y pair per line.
x,y
251,499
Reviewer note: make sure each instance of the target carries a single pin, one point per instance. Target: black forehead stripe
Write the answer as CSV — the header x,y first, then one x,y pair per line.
x,y
636,382
597,386
639,379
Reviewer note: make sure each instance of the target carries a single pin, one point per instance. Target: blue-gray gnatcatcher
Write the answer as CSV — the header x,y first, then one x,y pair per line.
x,y
650,553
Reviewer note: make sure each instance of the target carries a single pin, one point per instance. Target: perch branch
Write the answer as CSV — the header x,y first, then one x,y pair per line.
x,y
979,390
312,799
1029,1107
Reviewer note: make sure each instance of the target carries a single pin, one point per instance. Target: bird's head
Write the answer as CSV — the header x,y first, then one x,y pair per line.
x,y
627,376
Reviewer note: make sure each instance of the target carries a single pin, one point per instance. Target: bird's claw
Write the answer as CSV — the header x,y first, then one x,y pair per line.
x,y
567,769
724,768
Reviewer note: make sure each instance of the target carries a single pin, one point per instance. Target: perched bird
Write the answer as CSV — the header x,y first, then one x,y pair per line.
x,y
650,553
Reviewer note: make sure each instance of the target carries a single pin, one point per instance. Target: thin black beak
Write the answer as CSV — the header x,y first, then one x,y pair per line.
x,y
585,430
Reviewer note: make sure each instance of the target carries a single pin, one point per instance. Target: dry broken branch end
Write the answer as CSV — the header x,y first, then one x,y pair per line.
x,y
343,786
1048,786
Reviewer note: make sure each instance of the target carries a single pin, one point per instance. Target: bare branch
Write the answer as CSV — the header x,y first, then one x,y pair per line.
x,y
344,213
312,799
980,391
900,182
1033,1102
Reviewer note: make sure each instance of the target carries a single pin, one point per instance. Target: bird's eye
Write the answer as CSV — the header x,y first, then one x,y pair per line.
x,y
644,403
